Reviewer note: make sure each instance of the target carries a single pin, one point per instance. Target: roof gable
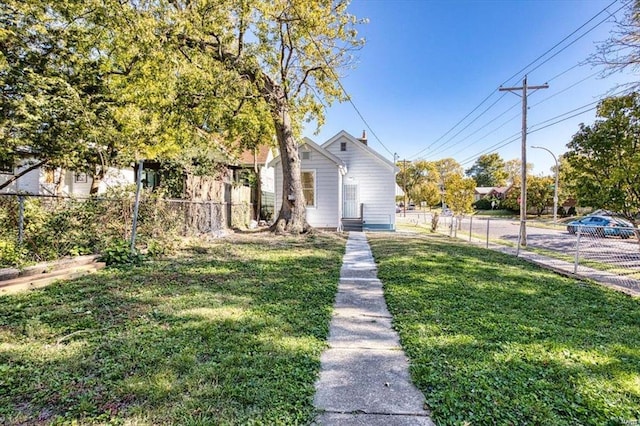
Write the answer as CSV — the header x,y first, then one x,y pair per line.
x,y
306,142
362,147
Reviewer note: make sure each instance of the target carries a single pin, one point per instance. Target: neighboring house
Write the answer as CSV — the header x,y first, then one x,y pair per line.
x,y
498,192
41,181
347,185
256,162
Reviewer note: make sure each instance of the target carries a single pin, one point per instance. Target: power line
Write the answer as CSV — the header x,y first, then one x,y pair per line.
x,y
530,64
337,78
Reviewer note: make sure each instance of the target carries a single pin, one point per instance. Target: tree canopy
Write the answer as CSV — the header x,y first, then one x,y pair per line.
x,y
605,157
156,79
488,170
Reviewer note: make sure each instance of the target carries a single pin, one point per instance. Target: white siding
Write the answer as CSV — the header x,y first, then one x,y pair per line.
x,y
375,179
326,212
28,183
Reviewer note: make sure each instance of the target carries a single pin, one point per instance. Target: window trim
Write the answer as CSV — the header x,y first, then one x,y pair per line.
x,y
315,186
80,177
343,146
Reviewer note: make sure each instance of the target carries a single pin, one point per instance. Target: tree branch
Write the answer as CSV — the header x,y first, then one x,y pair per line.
x,y
22,173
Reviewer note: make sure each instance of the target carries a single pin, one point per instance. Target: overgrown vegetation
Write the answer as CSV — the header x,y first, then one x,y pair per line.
x,y
55,228
225,333
495,340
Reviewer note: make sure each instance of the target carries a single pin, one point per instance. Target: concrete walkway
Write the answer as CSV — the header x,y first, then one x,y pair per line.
x,y
364,376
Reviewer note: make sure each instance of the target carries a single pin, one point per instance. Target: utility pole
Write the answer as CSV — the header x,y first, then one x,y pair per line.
x,y
523,171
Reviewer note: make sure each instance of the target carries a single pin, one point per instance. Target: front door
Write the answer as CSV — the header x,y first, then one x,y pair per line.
x,y
350,208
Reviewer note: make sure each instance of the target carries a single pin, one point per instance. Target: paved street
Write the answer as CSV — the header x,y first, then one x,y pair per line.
x,y
616,252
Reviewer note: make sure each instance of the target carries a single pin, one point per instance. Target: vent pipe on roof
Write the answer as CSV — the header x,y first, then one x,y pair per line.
x,y
363,139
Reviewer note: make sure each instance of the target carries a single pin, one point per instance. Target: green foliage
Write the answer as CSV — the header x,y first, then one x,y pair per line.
x,y
605,158
459,193
493,339
540,192
11,253
420,180
488,170
56,228
223,333
119,253
482,204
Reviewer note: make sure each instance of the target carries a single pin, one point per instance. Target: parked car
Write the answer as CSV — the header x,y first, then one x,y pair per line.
x,y
602,226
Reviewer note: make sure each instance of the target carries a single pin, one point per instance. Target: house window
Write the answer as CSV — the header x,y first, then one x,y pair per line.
x,y
309,188
6,167
343,146
80,178
306,155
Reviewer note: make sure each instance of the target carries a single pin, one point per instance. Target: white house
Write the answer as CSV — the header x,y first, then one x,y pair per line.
x,y
40,181
347,185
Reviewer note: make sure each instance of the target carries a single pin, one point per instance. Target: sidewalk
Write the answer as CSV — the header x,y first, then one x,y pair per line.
x,y
364,376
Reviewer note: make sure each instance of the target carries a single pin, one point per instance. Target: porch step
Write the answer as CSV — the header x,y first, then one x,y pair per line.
x,y
352,225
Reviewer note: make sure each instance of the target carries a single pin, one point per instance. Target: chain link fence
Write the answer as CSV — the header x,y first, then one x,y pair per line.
x,y
609,253
38,228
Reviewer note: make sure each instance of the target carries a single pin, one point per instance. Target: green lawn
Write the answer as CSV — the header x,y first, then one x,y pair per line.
x,y
225,333
495,340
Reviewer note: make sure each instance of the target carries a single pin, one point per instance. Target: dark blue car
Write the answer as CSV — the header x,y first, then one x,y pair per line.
x,y
602,226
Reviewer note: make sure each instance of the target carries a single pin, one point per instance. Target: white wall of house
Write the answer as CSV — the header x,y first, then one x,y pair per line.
x,y
28,183
267,176
79,184
325,213
375,178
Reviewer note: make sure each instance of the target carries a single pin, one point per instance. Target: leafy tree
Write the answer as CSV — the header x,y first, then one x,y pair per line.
x,y
266,59
513,170
488,170
540,193
48,86
605,157
62,100
459,194
419,179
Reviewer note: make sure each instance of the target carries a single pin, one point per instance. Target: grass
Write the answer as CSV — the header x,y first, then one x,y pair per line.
x,y
495,340
229,332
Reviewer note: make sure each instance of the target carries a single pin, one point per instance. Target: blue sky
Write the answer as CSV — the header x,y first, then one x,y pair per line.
x,y
427,64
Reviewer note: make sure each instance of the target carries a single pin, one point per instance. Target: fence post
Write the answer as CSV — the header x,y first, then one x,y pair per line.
x,y
20,219
577,259
211,217
136,206
470,226
519,238
488,220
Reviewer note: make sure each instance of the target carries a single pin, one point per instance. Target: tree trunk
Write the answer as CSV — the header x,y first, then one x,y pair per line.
x,y
95,181
292,217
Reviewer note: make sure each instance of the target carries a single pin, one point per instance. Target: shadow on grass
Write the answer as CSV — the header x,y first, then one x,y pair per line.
x,y
493,339
227,333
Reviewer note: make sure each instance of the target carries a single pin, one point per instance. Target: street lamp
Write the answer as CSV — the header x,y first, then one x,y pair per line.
x,y
555,189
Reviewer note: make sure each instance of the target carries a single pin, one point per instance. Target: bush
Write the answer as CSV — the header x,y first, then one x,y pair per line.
x,y
119,252
482,204
571,211
10,253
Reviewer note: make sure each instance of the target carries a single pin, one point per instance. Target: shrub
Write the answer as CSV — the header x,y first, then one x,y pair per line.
x,y
482,204
119,252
